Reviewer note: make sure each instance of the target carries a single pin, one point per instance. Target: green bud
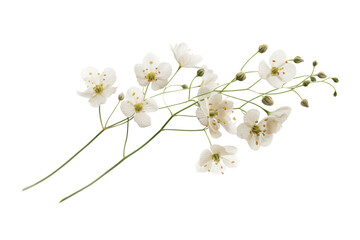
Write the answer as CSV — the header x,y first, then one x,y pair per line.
x,y
267,100
306,83
335,79
240,76
298,59
121,96
321,75
184,86
315,63
335,94
200,72
313,79
304,103
263,48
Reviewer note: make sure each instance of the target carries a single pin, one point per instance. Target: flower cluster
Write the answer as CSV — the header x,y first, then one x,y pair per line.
x,y
212,104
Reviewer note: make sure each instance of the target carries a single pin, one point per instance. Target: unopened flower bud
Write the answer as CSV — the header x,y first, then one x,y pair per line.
x,y
298,59
267,100
335,79
313,79
335,94
315,63
121,96
240,76
200,72
321,75
304,103
184,86
306,83
263,48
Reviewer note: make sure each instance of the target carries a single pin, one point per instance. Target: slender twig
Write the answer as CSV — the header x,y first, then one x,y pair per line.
x,y
102,126
112,113
126,138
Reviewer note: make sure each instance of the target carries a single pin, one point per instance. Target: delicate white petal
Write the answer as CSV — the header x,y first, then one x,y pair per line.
x,y
264,70
202,117
134,95
164,71
217,149
150,105
230,161
243,130
158,84
97,100
109,91
108,77
127,108
183,56
151,61
253,142
266,139
277,58
140,73
88,93
287,72
275,81
273,125
90,73
142,119
214,129
281,113
205,157
251,116
204,92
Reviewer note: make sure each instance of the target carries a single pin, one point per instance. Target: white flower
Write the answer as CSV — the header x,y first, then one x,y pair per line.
x,y
184,57
260,133
135,103
277,118
208,83
217,159
281,71
253,131
214,112
99,86
152,72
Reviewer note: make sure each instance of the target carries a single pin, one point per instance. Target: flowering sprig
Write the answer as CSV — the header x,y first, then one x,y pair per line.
x,y
214,106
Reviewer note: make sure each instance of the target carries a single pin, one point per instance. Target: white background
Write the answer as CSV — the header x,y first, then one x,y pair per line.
x,y
304,186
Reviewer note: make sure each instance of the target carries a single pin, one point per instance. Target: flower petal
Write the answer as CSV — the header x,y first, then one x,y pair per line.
x,y
277,58
127,108
230,161
264,70
151,61
135,95
97,100
140,73
251,116
150,105
108,77
142,119
159,84
205,157
243,130
275,81
109,91
164,71
253,142
90,75
287,72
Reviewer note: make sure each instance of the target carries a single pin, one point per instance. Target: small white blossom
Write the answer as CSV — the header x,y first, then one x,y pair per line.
x,y
217,159
135,103
152,72
99,86
213,112
184,57
280,70
261,133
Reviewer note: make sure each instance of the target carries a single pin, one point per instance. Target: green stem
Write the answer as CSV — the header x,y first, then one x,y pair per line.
x,y
191,85
126,138
207,136
183,130
102,126
127,156
267,112
112,113
147,87
254,84
64,162
248,60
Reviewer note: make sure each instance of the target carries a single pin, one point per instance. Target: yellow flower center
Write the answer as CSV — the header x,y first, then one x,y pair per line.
x,y
255,129
274,71
98,89
138,107
216,157
150,76
213,114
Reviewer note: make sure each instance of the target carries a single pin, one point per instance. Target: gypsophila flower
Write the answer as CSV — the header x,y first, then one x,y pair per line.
x,y
152,72
215,112
184,57
99,86
217,159
280,70
135,104
253,131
